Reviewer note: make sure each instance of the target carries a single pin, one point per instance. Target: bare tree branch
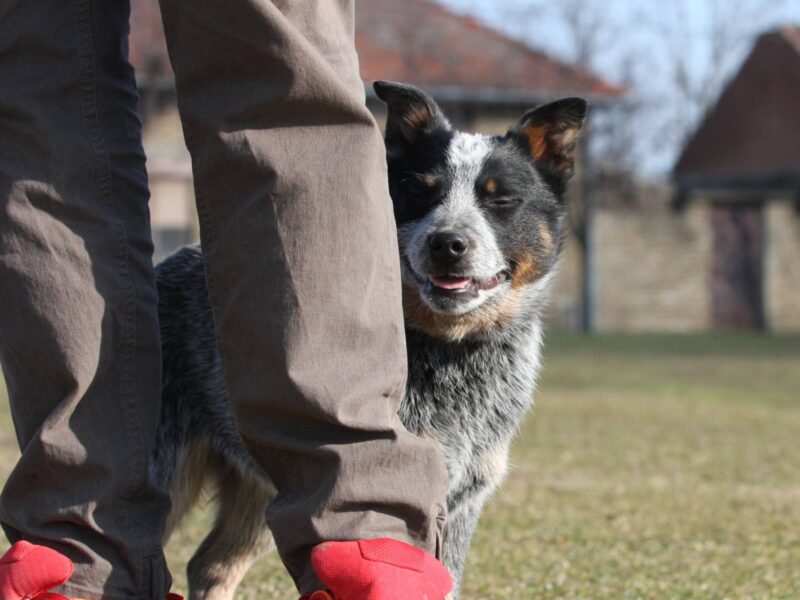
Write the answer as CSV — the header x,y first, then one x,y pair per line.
x,y
676,57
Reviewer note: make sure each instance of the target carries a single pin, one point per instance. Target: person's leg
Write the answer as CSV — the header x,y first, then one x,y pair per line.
x,y
303,269
79,337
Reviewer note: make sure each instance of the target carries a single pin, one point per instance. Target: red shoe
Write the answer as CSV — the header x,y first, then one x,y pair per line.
x,y
382,569
28,571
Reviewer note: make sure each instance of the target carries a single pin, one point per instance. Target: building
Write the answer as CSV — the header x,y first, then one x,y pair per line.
x,y
719,246
483,79
742,167
719,249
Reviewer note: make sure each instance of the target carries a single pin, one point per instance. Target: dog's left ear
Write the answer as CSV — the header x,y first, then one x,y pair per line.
x,y
412,112
550,133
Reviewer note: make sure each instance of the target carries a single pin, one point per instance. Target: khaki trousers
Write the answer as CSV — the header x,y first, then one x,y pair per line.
x,y
302,266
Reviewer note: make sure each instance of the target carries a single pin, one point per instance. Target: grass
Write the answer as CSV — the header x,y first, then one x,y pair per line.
x,y
652,467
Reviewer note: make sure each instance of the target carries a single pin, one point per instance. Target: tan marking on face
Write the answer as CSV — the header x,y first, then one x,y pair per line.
x,y
415,118
453,328
491,186
430,179
526,271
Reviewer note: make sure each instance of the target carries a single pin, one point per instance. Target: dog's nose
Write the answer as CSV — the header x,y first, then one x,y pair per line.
x,y
448,245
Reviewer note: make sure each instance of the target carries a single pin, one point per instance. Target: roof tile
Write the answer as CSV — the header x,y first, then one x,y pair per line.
x,y
752,132
416,41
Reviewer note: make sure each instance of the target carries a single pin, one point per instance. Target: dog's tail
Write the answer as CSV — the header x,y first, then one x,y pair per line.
x,y
172,277
182,457
171,441
189,356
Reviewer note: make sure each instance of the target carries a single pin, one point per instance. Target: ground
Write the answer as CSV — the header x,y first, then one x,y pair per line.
x,y
652,467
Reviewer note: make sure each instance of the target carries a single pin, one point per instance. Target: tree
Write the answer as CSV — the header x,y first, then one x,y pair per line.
x,y
675,58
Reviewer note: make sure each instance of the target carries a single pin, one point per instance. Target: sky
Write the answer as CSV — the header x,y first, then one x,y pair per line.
x,y
641,44
549,35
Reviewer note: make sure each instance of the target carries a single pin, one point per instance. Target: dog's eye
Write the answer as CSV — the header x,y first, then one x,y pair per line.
x,y
421,185
504,201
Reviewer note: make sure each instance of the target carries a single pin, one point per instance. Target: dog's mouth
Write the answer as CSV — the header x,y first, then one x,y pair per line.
x,y
457,285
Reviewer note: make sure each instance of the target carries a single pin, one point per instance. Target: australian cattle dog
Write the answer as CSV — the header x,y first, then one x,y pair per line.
x,y
480,221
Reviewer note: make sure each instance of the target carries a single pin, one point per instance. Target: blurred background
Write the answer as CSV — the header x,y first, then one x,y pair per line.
x,y
663,457
686,205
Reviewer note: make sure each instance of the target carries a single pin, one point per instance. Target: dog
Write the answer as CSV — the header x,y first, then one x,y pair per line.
x,y
480,222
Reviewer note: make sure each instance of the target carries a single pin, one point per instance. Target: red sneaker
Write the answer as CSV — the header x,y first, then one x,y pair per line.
x,y
28,571
382,569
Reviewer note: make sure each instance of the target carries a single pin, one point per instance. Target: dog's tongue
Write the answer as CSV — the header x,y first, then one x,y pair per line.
x,y
449,283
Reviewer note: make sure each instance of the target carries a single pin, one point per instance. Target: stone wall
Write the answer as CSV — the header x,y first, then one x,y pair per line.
x,y
564,311
782,265
653,270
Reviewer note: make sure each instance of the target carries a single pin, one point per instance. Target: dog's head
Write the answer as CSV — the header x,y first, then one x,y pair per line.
x,y
479,218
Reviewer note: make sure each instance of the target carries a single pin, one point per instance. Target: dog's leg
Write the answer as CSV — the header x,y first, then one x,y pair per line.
x,y
239,537
458,530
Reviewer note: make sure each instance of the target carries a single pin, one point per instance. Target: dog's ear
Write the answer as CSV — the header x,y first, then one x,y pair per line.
x,y
412,112
550,132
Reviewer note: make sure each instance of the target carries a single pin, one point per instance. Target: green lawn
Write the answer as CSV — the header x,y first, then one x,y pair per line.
x,y
652,467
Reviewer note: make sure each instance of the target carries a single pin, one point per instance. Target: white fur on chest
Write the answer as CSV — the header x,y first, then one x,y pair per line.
x,y
474,449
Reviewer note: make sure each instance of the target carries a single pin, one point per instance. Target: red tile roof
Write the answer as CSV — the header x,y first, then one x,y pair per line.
x,y
752,135
421,42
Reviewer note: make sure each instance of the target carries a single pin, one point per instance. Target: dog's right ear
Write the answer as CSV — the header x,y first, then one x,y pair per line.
x,y
412,112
